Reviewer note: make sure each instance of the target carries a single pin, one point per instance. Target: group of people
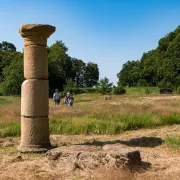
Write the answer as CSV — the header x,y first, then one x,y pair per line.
x,y
68,100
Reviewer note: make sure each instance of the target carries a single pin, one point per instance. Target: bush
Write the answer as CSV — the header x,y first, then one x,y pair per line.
x,y
142,90
164,84
147,91
79,91
90,90
119,90
178,90
104,86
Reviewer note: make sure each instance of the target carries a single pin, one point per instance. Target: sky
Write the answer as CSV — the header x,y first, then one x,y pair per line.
x,y
106,32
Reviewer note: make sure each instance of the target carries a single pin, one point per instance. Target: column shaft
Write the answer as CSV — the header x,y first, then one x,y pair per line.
x,y
35,90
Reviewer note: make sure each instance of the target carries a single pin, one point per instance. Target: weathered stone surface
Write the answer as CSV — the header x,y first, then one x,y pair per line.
x,y
34,98
34,131
35,62
79,157
35,90
36,34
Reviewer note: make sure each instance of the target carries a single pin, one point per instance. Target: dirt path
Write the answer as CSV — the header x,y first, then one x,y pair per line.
x,y
164,161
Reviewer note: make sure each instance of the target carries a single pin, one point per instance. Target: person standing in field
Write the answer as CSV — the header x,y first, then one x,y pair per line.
x,y
56,97
68,100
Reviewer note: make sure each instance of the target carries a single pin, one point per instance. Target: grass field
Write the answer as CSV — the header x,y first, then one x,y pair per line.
x,y
91,114
150,122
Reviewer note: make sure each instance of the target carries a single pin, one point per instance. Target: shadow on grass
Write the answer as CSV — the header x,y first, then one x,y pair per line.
x,y
134,142
83,100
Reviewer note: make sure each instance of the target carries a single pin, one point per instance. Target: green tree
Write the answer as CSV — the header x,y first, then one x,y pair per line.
x,y
78,70
6,46
60,66
158,67
70,86
12,76
104,86
129,74
91,76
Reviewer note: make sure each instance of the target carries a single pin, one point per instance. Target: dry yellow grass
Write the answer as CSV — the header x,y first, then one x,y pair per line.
x,y
165,161
93,114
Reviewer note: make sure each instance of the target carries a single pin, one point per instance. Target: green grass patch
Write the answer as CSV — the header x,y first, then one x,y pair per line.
x,y
142,90
9,99
10,129
99,124
174,118
96,124
173,141
4,101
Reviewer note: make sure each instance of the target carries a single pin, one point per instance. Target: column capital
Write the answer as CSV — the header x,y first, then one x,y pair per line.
x,y
36,34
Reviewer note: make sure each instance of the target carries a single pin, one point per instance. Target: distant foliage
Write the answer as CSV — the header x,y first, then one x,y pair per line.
x,y
11,72
91,75
119,90
77,90
5,46
159,67
62,69
142,90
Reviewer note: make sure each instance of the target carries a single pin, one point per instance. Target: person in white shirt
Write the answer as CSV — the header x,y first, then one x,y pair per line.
x,y
68,100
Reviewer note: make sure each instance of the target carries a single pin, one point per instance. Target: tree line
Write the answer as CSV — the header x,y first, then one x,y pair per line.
x,y
158,67
62,69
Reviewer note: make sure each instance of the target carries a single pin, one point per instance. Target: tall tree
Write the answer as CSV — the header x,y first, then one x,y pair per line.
x,y
159,67
6,46
12,76
60,65
78,70
129,74
91,76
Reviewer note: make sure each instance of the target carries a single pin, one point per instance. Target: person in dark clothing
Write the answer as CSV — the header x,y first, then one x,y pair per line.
x,y
56,97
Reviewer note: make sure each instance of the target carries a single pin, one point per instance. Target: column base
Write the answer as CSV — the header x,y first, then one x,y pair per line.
x,y
34,148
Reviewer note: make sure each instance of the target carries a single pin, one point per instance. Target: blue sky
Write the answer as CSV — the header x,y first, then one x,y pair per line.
x,y
106,32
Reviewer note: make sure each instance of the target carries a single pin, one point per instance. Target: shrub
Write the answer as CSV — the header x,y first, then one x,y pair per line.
x,y
119,90
142,90
147,91
164,84
178,90
79,91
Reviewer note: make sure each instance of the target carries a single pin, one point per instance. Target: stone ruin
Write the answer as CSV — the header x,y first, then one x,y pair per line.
x,y
35,111
35,89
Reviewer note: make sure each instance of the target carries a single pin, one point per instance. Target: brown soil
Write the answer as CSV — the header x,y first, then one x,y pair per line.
x,y
163,162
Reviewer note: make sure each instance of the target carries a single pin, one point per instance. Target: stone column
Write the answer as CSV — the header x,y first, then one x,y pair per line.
x,y
35,89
